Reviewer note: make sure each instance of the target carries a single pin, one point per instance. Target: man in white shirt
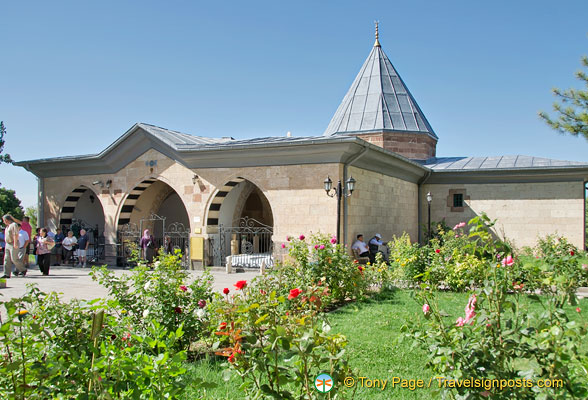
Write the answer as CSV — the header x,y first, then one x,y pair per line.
x,y
23,244
362,248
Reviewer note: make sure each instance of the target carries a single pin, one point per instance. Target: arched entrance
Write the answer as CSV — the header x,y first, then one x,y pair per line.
x,y
82,209
156,206
240,224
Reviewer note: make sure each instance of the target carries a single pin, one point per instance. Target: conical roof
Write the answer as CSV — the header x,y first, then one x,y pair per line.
x,y
377,101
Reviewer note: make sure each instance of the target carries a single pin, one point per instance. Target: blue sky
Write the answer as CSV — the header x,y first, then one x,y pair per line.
x,y
74,76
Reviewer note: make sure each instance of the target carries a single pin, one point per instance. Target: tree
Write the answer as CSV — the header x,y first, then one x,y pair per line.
x,y
10,204
31,212
6,157
572,110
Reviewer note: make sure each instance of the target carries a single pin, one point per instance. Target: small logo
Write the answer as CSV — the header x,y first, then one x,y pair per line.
x,y
323,383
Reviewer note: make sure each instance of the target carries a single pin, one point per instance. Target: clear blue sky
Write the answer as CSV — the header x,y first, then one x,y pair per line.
x,y
74,75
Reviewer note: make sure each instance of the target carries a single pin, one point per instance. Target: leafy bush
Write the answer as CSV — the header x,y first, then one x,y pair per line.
x,y
278,345
320,259
161,294
52,350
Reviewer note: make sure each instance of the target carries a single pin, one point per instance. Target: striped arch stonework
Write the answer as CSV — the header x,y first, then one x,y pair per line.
x,y
131,200
69,206
217,201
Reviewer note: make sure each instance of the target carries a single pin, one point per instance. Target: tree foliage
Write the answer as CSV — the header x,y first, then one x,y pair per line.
x,y
572,108
31,212
10,204
4,158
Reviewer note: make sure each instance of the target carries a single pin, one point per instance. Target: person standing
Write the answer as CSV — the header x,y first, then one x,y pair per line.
x,y
147,245
59,236
24,240
2,244
11,254
83,244
26,226
44,246
68,244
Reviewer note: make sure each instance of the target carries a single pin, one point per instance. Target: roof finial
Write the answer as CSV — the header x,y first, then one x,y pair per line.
x,y
377,43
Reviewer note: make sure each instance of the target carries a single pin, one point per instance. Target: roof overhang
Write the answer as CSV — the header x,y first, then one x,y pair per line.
x,y
321,150
511,175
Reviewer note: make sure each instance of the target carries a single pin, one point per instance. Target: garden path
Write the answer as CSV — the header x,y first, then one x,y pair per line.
x,y
77,282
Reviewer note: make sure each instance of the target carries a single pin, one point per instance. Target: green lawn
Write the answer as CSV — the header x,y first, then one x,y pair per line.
x,y
376,349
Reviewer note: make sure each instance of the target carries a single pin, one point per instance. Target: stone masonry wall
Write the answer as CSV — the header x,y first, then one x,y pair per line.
x,y
381,204
524,211
296,195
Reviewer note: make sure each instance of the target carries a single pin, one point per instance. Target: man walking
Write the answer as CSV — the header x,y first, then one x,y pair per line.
x,y
11,255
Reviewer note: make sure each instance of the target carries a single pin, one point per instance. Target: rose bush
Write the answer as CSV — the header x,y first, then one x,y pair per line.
x,y
161,294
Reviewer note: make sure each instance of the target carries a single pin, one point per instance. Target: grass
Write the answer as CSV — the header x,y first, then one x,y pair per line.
x,y
376,346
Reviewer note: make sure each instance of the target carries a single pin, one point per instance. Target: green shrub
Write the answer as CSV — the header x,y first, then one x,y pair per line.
x,y
161,294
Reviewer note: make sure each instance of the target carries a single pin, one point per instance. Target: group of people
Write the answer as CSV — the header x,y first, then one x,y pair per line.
x,y
16,241
374,246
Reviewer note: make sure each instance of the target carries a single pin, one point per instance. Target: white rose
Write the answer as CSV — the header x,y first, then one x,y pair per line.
x,y
145,313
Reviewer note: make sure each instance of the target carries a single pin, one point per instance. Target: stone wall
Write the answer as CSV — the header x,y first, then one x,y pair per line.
x,y
524,211
295,193
381,204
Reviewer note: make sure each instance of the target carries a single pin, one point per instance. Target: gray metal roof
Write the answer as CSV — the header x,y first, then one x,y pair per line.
x,y
497,162
180,140
378,100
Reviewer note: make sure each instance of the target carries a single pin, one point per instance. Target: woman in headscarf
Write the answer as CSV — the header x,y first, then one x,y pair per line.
x,y
147,245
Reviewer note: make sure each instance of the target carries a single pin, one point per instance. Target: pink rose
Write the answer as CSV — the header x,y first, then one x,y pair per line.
x,y
508,261
333,240
460,321
283,246
322,247
578,309
301,237
316,246
426,308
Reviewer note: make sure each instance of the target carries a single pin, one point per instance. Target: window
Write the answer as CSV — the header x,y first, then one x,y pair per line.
x,y
458,200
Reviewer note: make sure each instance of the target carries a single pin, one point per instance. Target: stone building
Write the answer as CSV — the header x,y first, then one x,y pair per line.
x,y
221,196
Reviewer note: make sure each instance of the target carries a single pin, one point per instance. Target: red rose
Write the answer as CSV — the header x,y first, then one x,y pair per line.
x,y
263,292
232,358
183,288
240,285
178,310
437,251
222,326
226,290
572,253
294,293
360,268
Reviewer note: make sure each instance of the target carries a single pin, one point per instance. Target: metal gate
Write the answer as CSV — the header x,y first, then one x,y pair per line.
x,y
96,248
249,243
129,236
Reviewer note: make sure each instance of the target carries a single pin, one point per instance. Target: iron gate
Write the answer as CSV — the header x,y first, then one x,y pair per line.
x,y
95,253
129,236
249,243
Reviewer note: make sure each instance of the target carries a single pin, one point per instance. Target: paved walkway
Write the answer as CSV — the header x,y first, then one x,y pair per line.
x,y
77,283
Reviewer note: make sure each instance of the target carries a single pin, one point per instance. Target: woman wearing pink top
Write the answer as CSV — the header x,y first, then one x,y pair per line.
x,y
44,246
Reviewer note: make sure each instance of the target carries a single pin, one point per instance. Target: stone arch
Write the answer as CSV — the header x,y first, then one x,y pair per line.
x,y
218,199
127,205
71,201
